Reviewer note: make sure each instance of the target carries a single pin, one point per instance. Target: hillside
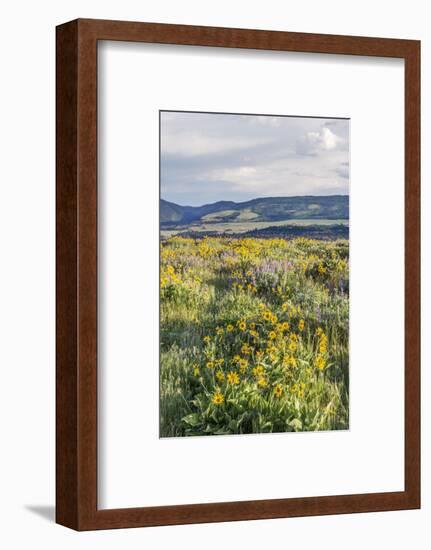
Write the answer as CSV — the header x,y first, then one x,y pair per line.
x,y
332,207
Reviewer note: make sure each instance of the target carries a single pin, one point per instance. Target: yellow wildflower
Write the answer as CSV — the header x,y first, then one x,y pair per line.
x,y
229,328
301,325
262,382
245,349
278,390
242,325
217,398
323,344
220,375
266,315
233,377
243,363
320,362
258,371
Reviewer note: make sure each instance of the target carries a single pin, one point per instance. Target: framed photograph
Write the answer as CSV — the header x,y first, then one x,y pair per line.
x,y
238,274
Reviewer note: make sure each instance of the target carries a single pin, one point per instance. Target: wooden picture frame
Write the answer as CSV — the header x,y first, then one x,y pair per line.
x,y
76,209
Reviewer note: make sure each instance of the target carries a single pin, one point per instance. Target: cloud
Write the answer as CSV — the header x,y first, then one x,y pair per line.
x,y
343,170
315,142
208,157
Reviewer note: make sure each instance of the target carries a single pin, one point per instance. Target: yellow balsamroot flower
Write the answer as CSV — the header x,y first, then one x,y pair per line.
x,y
294,388
274,319
272,335
217,398
323,344
289,361
319,331
242,325
253,326
220,376
245,349
254,333
279,327
210,364
266,315
243,364
258,371
293,346
262,382
278,390
219,362
236,359
219,331
207,339
301,325
196,371
259,354
321,268
320,362
229,328
233,378
285,325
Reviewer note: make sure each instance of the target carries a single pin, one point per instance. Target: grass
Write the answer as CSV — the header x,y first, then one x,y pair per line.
x,y
254,336
243,225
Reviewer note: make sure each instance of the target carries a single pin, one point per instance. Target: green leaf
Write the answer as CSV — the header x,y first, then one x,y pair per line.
x,y
193,419
296,424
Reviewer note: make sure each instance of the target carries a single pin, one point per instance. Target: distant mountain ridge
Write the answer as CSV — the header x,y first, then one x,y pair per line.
x,y
329,207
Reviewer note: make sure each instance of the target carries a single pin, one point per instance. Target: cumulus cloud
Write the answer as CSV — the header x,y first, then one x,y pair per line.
x,y
314,142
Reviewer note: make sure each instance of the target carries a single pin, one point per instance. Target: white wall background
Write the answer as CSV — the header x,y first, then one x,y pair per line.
x,y
27,312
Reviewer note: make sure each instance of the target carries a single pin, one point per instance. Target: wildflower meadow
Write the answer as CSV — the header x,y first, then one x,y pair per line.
x,y
254,335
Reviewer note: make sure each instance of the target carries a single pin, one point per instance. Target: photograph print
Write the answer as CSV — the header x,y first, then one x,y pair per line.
x,y
254,274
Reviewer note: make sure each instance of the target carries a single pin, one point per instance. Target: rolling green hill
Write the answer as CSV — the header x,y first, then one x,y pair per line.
x,y
332,207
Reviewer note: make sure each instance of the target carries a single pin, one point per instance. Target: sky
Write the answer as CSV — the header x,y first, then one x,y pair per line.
x,y
208,157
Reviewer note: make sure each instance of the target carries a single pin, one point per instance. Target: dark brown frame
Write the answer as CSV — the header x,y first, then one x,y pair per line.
x,y
76,375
